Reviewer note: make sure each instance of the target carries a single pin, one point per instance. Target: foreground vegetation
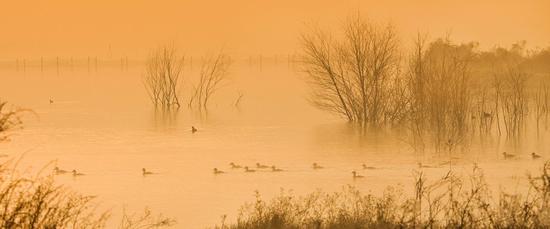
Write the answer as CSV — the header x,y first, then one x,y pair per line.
x,y
37,202
10,119
448,202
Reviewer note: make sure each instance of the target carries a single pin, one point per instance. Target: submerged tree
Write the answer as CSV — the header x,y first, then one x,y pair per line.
x,y
514,97
164,77
354,76
440,89
214,71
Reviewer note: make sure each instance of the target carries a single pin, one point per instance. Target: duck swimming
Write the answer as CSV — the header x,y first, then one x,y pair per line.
x,y
275,169
217,171
316,166
535,156
193,129
246,169
260,166
145,172
355,175
235,166
75,173
59,171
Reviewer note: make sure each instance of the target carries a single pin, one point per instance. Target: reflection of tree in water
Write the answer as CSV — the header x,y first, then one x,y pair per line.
x,y
165,118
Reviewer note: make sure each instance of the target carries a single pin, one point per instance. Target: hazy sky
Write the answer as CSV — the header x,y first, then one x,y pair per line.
x,y
245,27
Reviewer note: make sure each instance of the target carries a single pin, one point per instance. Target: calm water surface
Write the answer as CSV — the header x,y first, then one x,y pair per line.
x,y
102,124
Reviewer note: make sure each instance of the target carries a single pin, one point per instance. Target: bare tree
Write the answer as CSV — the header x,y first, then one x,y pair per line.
x,y
353,76
163,78
542,104
440,89
214,70
515,100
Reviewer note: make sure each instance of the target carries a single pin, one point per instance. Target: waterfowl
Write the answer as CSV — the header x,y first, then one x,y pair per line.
x,y
59,171
75,173
316,166
368,167
246,169
535,156
193,129
355,175
235,166
51,100
260,166
275,169
217,171
508,155
145,172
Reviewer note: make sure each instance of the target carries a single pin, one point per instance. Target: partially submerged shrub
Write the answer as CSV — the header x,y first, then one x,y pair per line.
x,y
164,77
214,70
355,77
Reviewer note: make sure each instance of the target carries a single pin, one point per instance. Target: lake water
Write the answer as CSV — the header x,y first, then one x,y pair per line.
x,y
103,124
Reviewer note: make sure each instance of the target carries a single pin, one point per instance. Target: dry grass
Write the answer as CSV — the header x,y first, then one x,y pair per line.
x,y
448,202
10,119
37,202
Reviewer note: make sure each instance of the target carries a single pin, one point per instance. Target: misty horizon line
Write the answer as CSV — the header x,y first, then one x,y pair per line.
x,y
117,57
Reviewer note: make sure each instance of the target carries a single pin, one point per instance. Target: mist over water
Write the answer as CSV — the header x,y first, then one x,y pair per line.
x,y
101,123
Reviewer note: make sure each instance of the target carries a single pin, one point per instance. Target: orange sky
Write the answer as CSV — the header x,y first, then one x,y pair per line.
x,y
245,27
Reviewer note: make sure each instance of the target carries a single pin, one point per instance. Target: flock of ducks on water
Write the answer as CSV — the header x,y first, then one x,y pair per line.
x,y
247,169
273,168
59,171
75,173
512,156
316,166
